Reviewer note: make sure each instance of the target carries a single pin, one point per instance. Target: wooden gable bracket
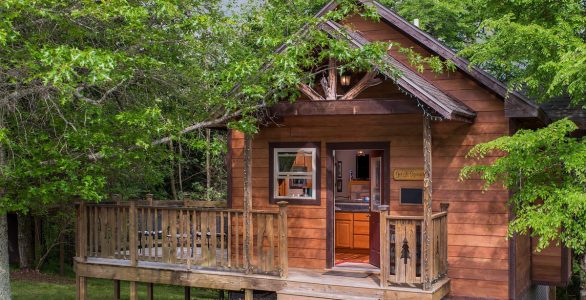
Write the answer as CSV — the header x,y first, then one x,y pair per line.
x,y
367,81
309,92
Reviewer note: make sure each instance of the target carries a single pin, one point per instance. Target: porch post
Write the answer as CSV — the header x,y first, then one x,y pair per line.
x,y
426,226
247,205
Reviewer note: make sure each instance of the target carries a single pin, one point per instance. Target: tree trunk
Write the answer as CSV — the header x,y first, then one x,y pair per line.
x,y
25,241
583,277
5,292
173,187
208,170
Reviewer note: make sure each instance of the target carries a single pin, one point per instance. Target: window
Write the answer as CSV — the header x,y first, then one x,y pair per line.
x,y
294,173
411,196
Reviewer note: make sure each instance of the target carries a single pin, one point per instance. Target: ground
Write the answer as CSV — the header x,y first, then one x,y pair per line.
x,y
30,285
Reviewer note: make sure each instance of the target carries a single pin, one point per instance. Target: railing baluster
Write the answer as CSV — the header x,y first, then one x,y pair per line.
x,y
133,231
214,238
222,234
283,240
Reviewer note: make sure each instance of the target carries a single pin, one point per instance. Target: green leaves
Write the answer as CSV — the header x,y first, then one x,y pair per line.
x,y
546,170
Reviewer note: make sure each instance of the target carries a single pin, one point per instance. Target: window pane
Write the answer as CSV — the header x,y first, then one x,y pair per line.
x,y
294,173
300,161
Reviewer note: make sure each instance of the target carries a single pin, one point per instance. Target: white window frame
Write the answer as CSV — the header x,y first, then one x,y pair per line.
x,y
277,173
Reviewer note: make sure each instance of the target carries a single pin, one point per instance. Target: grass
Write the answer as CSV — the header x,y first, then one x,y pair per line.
x,y
98,289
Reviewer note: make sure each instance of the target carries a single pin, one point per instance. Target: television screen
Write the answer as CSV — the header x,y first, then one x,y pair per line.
x,y
363,167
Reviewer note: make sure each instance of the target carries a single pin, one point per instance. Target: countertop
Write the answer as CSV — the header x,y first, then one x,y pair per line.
x,y
352,207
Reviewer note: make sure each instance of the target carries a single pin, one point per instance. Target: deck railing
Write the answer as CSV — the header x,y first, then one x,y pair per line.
x,y
190,237
401,249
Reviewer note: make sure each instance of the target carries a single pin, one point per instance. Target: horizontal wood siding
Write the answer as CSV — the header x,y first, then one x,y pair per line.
x,y
478,252
477,248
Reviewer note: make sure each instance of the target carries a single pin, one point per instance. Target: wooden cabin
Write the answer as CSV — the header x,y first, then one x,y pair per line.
x,y
352,193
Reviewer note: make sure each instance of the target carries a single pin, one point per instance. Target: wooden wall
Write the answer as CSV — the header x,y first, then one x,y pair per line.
x,y
550,266
477,248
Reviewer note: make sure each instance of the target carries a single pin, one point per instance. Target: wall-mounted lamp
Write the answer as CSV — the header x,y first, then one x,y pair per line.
x,y
345,79
360,153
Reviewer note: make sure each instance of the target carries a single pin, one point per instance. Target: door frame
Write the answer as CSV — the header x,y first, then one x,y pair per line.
x,y
330,185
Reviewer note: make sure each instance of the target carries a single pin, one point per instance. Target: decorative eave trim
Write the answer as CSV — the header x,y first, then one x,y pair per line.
x,y
410,81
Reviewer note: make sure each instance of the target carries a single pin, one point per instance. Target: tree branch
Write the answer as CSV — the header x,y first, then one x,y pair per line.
x,y
22,93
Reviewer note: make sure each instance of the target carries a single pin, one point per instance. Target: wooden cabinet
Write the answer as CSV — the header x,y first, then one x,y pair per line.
x,y
352,230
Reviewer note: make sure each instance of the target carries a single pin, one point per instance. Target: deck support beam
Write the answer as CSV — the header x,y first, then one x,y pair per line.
x,y
247,205
150,291
133,290
427,205
248,294
81,284
116,290
187,293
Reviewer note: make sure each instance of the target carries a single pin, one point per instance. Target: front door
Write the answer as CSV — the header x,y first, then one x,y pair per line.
x,y
376,196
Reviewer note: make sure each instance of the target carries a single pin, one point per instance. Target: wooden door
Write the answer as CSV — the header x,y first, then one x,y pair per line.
x,y
376,198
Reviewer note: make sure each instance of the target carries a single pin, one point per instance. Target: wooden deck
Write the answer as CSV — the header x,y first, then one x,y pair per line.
x,y
230,249
300,283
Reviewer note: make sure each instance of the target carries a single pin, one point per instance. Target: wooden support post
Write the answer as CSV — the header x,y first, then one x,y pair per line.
x,y
116,289
248,294
149,199
81,284
426,230
186,199
385,243
133,235
187,293
133,290
82,232
283,240
150,291
247,209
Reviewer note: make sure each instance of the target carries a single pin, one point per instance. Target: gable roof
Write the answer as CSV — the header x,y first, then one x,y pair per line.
x,y
409,80
516,106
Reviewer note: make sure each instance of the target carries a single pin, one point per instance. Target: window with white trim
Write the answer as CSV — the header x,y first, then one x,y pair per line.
x,y
294,173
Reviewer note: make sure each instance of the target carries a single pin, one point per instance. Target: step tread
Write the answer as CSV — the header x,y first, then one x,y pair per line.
x,y
326,295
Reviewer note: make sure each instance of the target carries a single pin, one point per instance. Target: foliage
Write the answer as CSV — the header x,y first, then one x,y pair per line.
x,y
98,289
545,169
536,46
90,89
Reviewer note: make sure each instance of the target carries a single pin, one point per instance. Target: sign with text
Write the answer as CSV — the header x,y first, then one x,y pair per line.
x,y
408,174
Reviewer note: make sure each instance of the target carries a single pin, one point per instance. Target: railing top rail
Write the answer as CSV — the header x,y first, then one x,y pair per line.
x,y
417,218
439,215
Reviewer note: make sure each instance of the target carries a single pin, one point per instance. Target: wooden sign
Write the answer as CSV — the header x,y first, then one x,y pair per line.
x,y
408,174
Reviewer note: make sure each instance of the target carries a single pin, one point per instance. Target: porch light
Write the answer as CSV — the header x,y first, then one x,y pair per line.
x,y
345,79
360,153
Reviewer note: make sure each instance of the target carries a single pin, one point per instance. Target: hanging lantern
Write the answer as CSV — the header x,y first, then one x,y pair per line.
x,y
345,79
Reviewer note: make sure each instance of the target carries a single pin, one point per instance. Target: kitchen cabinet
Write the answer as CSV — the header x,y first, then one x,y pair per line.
x,y
352,230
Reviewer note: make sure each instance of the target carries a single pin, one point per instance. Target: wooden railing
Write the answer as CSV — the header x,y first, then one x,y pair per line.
x,y
192,237
402,246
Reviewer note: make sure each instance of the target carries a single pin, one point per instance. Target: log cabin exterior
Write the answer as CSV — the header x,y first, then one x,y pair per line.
x,y
293,215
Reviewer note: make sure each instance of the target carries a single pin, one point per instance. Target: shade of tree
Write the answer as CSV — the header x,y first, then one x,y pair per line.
x,y
538,48
94,94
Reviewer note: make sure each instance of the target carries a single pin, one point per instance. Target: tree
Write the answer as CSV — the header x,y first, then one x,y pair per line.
x,y
92,92
537,48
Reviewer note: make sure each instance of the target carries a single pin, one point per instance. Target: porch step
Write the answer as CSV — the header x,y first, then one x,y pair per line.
x,y
308,294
